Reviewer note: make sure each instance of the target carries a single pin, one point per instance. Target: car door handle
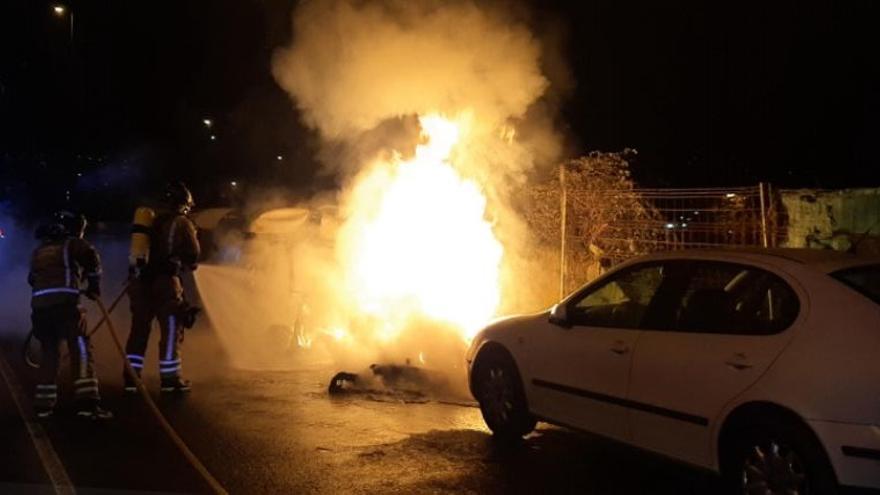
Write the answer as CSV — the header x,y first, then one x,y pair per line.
x,y
738,362
620,348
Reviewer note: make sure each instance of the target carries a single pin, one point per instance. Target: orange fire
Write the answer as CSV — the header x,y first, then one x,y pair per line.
x,y
416,245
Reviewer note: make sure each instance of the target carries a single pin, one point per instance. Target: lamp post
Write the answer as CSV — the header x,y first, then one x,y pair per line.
x,y
77,102
60,10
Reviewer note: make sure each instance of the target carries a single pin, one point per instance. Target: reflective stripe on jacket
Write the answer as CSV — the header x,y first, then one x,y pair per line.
x,y
58,268
174,244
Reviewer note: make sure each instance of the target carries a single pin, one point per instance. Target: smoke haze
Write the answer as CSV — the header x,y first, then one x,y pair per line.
x,y
15,250
353,64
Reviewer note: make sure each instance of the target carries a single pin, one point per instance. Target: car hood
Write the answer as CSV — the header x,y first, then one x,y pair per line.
x,y
503,330
507,322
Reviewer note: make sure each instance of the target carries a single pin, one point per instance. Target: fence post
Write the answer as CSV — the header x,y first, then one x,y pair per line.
x,y
563,206
763,214
772,216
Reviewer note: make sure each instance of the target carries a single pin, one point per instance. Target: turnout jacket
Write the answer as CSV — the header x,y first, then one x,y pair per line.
x,y
174,245
58,269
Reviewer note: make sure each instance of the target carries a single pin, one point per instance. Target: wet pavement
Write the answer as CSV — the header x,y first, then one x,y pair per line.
x,y
280,432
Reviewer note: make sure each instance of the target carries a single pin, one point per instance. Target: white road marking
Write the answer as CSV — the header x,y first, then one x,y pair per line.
x,y
48,457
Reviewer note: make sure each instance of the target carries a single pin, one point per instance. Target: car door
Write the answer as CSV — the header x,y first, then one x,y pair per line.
x,y
583,369
714,340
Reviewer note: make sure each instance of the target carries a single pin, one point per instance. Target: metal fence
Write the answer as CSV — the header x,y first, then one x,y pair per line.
x,y
661,220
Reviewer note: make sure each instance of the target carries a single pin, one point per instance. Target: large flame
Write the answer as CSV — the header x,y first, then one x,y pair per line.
x,y
416,245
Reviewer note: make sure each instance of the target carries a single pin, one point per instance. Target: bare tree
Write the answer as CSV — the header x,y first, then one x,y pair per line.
x,y
601,202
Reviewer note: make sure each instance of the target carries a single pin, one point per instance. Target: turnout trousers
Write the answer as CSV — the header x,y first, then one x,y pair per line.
x,y
53,325
158,297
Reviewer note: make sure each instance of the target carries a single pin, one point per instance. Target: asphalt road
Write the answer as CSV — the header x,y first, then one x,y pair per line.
x,y
280,432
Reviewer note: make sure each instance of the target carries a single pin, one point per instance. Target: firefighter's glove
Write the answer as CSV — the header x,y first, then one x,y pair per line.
x,y
93,291
189,315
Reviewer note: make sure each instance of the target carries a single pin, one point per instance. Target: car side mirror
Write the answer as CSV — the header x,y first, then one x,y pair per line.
x,y
559,316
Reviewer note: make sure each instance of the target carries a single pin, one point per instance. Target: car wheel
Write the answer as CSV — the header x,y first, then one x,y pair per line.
x,y
499,391
778,458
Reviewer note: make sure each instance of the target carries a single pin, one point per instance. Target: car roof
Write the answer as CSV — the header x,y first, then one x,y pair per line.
x,y
823,260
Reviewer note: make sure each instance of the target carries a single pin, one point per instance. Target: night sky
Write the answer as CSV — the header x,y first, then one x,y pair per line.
x,y
710,93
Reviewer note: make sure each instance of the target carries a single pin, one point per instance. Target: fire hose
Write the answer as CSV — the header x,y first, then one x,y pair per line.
x,y
25,350
160,418
166,426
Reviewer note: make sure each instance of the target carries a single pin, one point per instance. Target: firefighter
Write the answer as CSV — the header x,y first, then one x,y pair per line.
x,y
155,290
59,266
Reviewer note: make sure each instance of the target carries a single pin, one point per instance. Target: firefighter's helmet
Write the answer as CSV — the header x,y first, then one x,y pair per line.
x,y
178,197
74,224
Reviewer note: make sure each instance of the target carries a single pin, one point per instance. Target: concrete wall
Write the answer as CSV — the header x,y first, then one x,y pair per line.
x,y
831,219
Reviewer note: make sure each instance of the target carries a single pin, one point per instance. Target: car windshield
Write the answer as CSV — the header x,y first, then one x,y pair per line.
x,y
865,279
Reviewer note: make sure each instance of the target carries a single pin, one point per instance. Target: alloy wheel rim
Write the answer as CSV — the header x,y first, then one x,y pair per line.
x,y
497,395
774,468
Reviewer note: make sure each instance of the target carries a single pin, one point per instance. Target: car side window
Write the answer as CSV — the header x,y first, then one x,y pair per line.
x,y
619,302
729,298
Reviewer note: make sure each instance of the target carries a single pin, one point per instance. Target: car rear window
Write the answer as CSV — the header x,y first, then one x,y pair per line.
x,y
729,298
865,279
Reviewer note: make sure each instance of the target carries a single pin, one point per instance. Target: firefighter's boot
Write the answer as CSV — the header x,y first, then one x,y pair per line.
x,y
175,384
43,412
129,386
92,410
45,399
136,361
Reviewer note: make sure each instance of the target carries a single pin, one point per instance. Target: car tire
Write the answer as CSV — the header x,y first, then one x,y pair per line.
x,y
499,391
781,457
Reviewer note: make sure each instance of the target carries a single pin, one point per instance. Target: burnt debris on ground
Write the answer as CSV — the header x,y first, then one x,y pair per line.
x,y
397,382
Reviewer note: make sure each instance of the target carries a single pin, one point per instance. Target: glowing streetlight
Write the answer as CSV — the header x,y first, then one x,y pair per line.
x,y
208,122
233,183
60,10
279,157
213,137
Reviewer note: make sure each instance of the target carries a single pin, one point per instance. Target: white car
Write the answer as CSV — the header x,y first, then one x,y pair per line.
x,y
763,365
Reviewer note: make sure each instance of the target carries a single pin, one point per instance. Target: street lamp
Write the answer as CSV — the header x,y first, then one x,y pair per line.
x,y
59,11
207,122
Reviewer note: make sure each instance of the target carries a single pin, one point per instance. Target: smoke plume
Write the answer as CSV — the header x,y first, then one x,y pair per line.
x,y
353,64
361,71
